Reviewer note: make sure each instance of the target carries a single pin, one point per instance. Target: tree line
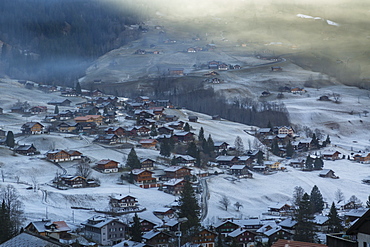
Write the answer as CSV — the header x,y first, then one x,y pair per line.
x,y
54,41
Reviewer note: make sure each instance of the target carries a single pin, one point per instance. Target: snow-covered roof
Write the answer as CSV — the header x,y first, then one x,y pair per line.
x,y
26,239
224,158
174,168
151,234
320,219
325,172
236,232
289,222
272,231
173,182
237,167
129,243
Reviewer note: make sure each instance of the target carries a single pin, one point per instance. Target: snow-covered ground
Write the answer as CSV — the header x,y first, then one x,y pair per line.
x,y
254,194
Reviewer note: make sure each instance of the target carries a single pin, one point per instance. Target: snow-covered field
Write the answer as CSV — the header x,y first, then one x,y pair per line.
x,y
254,194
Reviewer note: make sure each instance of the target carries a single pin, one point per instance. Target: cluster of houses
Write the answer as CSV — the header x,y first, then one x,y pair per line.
x,y
163,231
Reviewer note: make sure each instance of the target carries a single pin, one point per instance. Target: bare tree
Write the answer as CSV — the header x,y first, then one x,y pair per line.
x,y
34,179
354,199
225,202
339,196
239,146
297,195
83,169
238,205
10,196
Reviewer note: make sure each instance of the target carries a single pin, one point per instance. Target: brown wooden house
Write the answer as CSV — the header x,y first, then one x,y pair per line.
x,y
119,131
242,236
73,181
147,164
331,155
32,128
107,166
126,203
26,149
148,143
157,238
177,172
205,238
174,186
144,178
58,156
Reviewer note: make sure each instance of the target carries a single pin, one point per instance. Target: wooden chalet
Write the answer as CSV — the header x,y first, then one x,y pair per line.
x,y
297,90
65,102
221,146
144,178
327,173
108,139
58,156
158,238
32,128
177,172
147,164
149,114
362,157
142,130
98,119
176,71
38,110
46,228
281,209
205,237
185,160
213,64
148,143
119,131
146,225
164,130
223,66
225,227
274,69
183,136
174,186
124,202
242,236
147,122
73,181
67,127
177,125
107,166
26,149
331,155
240,171
193,119
89,128
227,161
277,232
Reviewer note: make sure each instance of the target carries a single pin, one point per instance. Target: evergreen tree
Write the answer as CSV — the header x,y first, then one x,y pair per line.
x,y
10,142
6,226
309,163
201,138
132,160
318,164
153,131
105,111
275,147
269,125
304,228
260,158
56,110
136,232
78,89
315,141
219,241
317,202
289,149
327,141
192,150
165,148
368,202
210,145
190,209
172,143
297,195
174,161
334,222
186,127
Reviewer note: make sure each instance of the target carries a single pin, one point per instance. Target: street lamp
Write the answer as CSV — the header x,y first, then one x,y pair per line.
x,y
178,233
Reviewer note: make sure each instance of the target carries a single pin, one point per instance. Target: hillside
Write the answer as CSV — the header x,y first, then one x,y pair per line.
x,y
254,194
